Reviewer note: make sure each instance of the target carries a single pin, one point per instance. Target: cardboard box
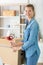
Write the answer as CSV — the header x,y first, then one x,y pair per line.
x,y
7,54
9,13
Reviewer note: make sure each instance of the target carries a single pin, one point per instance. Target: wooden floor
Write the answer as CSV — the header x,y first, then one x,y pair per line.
x,y
40,64
37,64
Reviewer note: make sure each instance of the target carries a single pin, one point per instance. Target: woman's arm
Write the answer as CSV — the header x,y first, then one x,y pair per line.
x,y
32,37
14,44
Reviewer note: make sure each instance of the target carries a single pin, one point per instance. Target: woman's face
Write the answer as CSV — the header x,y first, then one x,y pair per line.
x,y
29,12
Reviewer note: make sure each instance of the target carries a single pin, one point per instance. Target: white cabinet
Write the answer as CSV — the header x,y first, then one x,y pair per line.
x,y
9,16
12,20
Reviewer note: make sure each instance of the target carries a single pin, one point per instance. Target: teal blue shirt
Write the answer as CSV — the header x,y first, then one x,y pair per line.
x,y
30,40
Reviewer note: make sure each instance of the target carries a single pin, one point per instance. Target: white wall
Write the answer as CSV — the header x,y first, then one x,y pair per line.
x,y
38,4
12,1
41,53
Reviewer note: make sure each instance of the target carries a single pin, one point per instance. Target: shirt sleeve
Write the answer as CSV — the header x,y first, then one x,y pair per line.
x,y
32,37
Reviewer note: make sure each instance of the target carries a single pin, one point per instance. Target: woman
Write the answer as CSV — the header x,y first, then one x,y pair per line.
x,y
30,42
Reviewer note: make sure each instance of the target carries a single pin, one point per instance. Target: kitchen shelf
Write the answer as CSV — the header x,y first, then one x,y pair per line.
x,y
5,28
9,16
15,23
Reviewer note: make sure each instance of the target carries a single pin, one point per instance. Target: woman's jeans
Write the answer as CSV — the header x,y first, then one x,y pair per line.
x,y
33,59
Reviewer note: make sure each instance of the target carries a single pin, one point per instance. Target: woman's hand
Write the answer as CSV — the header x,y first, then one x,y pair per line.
x,y
16,49
13,44
19,44
16,46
